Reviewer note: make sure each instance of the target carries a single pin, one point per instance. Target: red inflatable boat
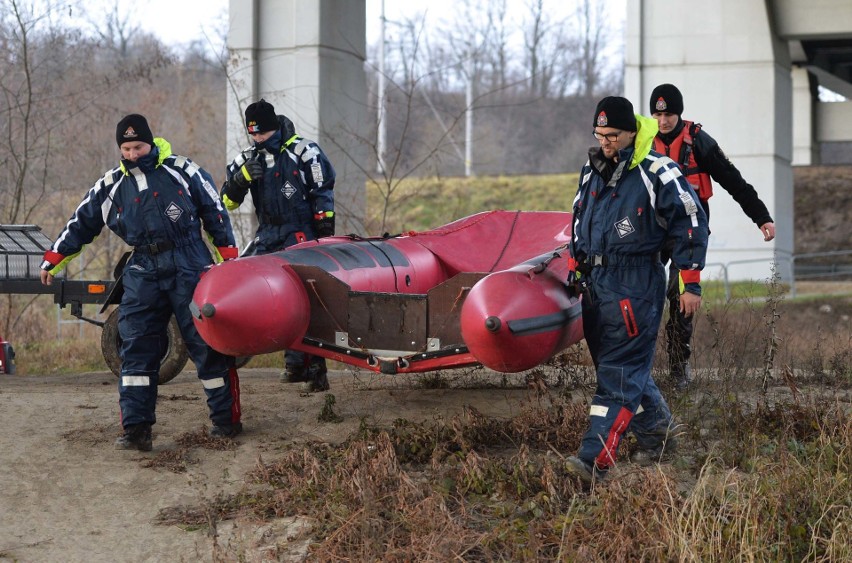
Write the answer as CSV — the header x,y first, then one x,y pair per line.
x,y
487,289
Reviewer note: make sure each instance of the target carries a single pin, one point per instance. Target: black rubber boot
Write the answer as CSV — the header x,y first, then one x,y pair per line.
x,y
661,454
317,378
587,472
294,374
136,437
226,430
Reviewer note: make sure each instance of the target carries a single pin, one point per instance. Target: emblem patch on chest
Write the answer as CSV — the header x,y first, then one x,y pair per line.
x,y
288,189
173,212
624,227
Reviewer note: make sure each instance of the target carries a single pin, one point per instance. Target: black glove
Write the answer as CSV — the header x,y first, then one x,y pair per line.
x,y
324,226
249,172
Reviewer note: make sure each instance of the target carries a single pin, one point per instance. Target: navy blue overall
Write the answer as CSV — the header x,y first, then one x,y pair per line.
x,y
159,206
623,214
298,182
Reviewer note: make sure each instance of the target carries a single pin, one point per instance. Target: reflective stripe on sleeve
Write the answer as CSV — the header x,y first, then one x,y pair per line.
x,y
652,195
106,206
670,175
309,154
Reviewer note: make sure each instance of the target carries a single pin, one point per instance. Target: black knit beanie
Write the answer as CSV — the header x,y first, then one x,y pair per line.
x,y
132,128
616,112
666,98
260,117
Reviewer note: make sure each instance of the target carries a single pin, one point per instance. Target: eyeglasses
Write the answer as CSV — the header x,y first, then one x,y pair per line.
x,y
611,137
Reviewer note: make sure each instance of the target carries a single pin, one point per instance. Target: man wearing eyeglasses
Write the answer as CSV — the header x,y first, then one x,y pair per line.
x,y
630,201
700,159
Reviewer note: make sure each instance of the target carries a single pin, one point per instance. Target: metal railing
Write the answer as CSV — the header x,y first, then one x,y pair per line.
x,y
793,269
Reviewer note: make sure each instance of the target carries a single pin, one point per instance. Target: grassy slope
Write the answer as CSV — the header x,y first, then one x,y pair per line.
x,y
822,207
823,202
422,203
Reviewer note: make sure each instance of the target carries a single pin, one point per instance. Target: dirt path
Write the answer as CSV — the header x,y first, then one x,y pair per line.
x,y
67,495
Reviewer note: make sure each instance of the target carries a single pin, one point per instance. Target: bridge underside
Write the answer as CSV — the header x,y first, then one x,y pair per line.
x,y
750,72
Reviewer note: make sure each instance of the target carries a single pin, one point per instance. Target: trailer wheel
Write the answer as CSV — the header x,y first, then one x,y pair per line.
x,y
172,362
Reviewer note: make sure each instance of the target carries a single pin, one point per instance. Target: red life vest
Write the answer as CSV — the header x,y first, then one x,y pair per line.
x,y
684,156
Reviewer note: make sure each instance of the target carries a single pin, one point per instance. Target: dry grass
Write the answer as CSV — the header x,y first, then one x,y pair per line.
x,y
479,489
175,461
178,460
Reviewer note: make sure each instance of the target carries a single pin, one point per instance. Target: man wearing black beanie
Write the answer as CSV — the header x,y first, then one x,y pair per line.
x,y
158,203
701,160
291,182
630,201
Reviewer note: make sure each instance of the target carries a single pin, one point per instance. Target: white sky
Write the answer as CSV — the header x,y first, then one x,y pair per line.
x,y
177,21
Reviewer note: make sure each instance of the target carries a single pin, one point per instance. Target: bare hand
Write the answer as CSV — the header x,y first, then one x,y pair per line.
x,y
689,303
768,230
46,277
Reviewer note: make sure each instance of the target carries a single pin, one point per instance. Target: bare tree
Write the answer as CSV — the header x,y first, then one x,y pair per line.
x,y
532,95
498,48
534,36
590,15
117,30
61,94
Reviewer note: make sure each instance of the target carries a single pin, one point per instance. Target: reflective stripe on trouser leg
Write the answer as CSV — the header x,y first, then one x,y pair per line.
x,y
223,397
213,367
621,331
142,320
137,384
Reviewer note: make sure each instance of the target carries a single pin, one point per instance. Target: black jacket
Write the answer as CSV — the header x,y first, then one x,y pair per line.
x,y
711,159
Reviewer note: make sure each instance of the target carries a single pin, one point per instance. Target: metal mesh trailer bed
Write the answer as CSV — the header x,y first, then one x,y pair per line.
x,y
22,248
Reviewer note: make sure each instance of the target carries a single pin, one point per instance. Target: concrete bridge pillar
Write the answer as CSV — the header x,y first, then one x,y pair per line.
x,y
735,77
307,59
